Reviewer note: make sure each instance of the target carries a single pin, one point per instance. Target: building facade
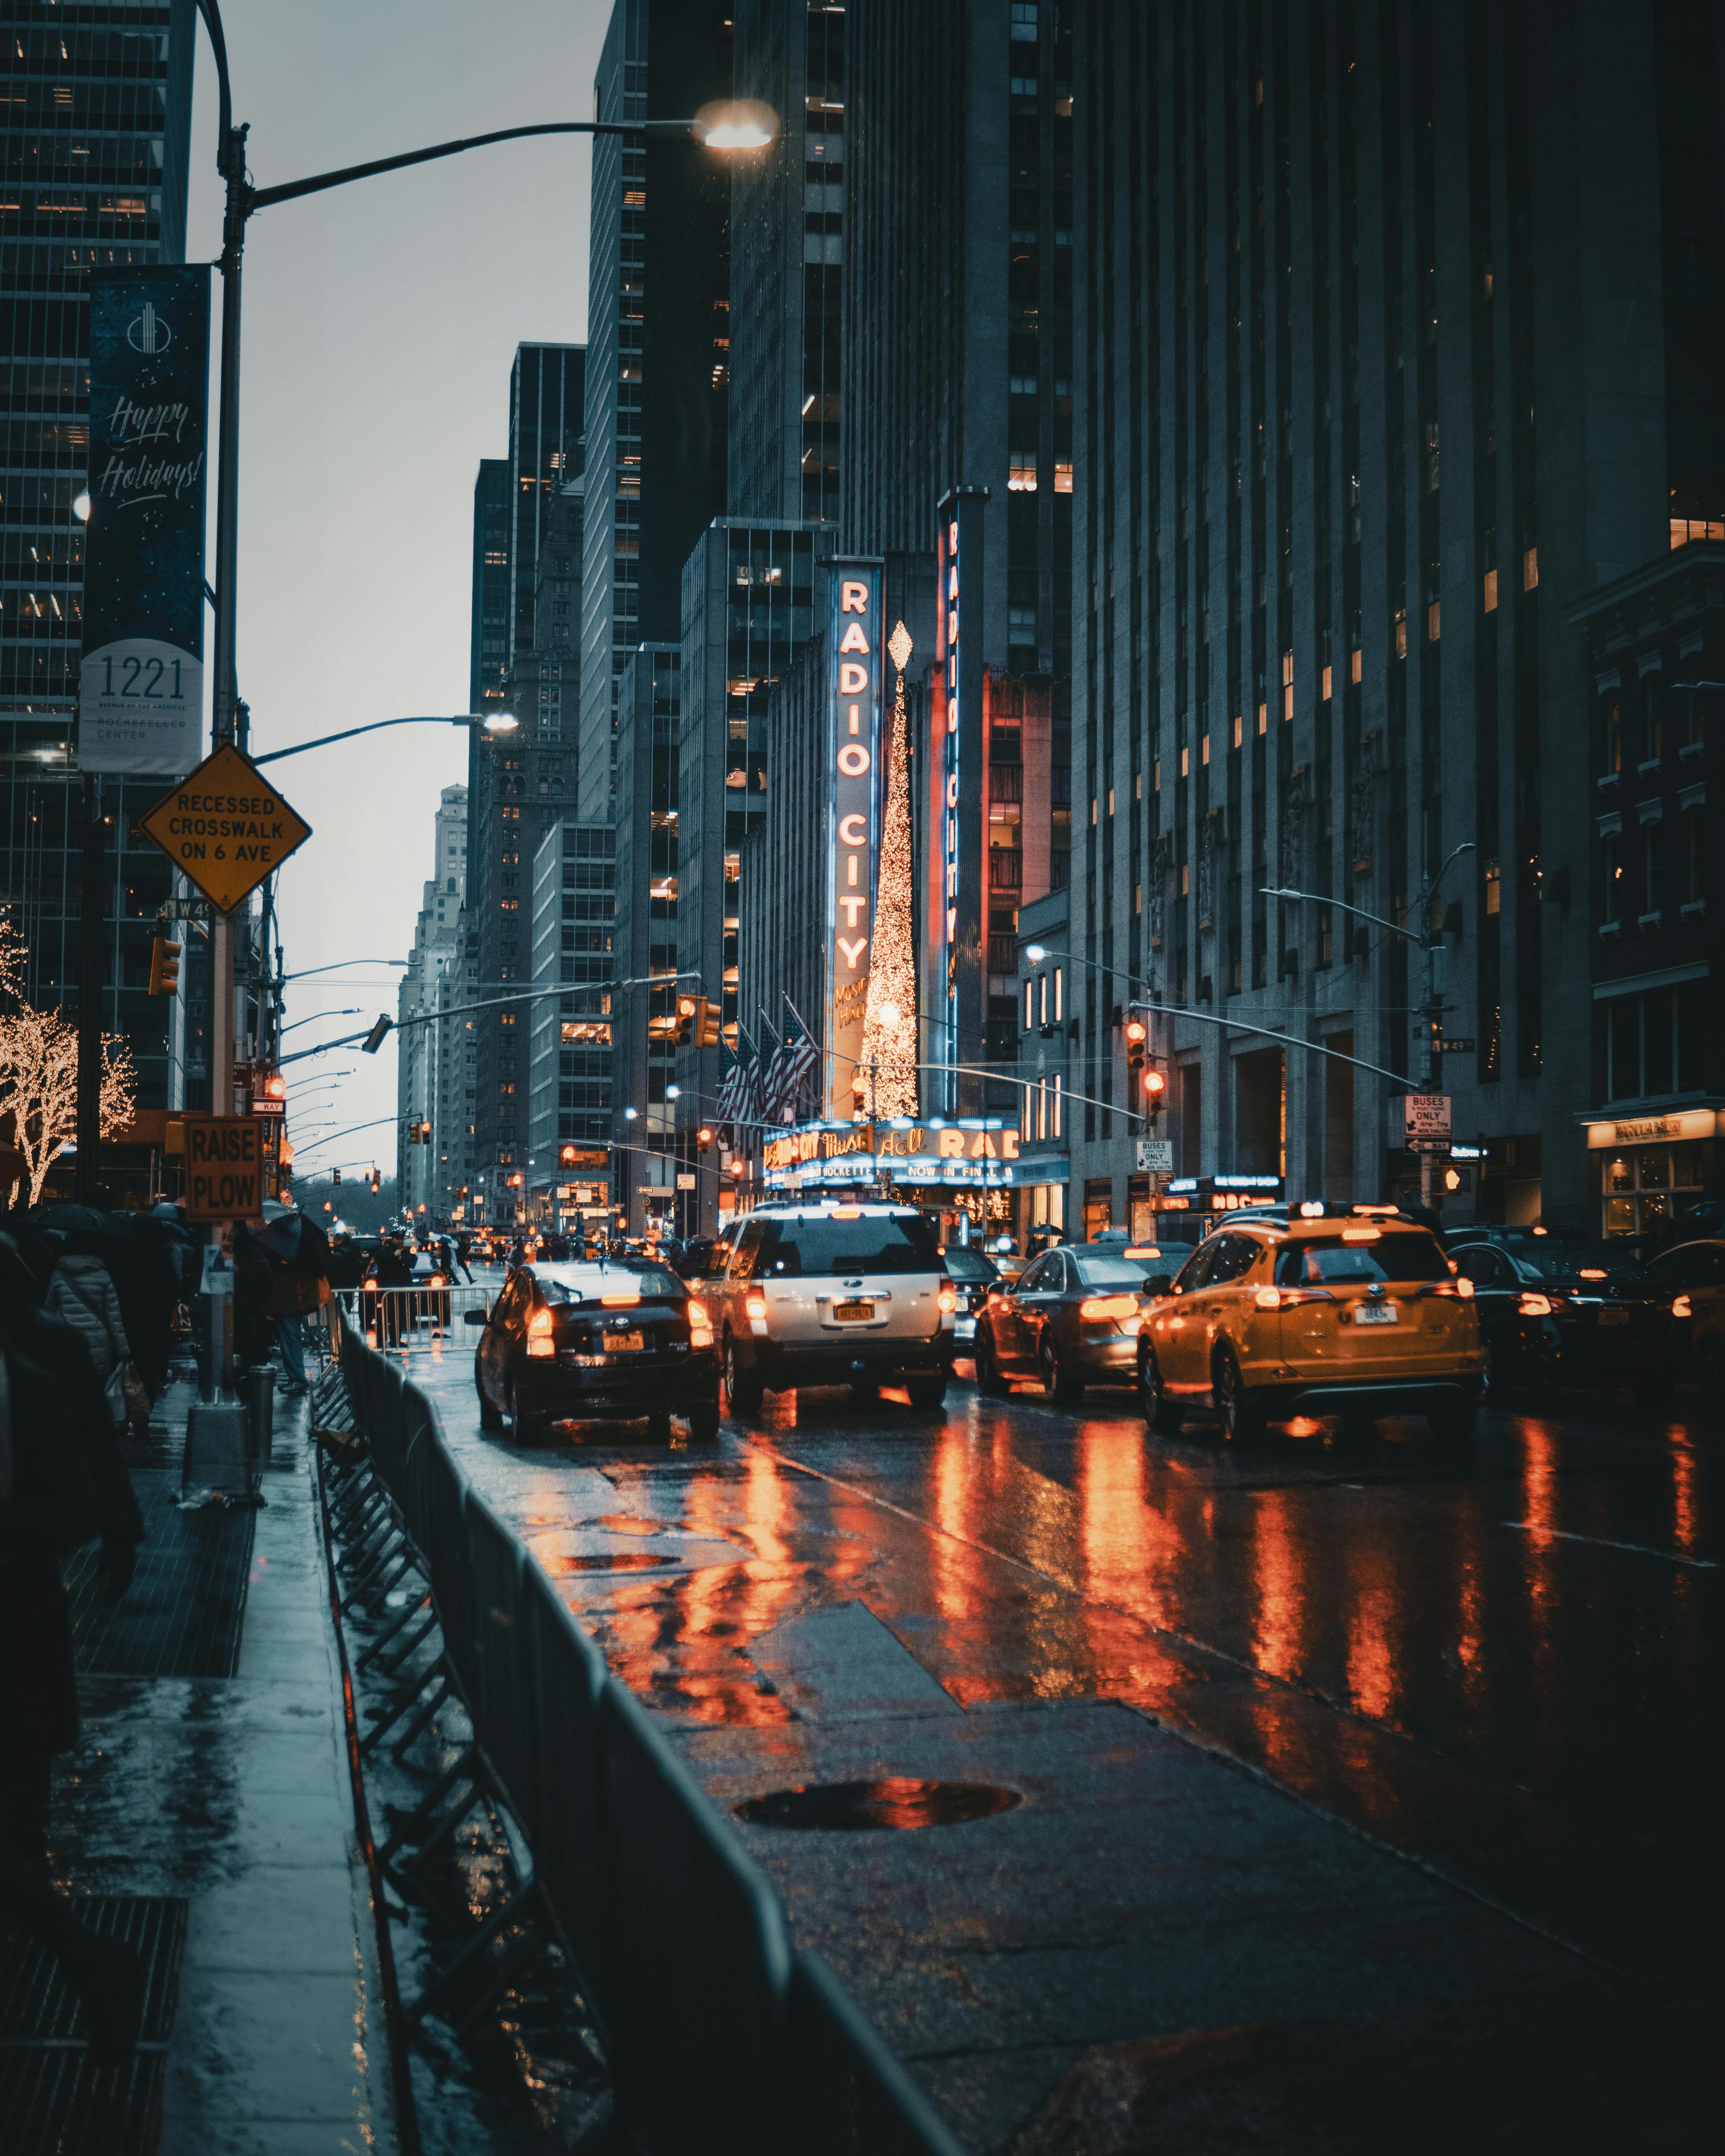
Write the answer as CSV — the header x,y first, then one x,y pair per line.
x,y
95,150
784,421
659,338
433,1067
569,1074
1352,442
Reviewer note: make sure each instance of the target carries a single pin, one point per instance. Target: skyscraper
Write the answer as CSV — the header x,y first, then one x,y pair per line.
x,y
1393,325
787,267
521,783
95,152
659,336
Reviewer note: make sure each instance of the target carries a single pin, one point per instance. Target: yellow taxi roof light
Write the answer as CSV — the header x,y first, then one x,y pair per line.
x,y
1362,1235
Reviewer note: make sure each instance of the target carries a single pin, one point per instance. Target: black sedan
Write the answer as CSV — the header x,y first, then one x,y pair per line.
x,y
1614,1322
1518,1325
1680,1274
596,1342
972,1273
1072,1321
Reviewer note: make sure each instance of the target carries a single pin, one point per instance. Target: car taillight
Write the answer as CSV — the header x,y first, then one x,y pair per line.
x,y
1680,1308
1462,1287
700,1326
947,1299
539,1332
756,1305
1109,1306
1535,1305
437,1280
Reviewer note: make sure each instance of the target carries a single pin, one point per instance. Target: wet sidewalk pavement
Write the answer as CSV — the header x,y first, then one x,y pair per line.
x,y
208,1815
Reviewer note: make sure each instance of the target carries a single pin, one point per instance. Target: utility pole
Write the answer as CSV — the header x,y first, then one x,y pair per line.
x,y
92,939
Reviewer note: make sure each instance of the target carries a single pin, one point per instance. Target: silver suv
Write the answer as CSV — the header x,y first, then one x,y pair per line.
x,y
833,1293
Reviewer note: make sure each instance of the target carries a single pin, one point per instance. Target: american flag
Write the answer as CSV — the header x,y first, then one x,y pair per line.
x,y
749,1093
775,1093
805,1060
726,1104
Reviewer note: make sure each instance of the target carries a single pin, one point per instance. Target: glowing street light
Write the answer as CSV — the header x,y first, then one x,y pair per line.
x,y
741,123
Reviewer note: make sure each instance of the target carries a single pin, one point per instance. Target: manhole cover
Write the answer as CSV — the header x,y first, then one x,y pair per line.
x,y
899,1801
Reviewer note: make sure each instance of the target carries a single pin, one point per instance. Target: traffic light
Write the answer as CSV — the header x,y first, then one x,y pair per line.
x,y
704,1024
687,1007
164,967
374,1040
1155,1092
418,1134
272,1088
377,1183
1136,1034
704,1139
335,1179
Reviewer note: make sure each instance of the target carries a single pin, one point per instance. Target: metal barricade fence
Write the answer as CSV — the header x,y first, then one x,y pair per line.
x,y
717,2034
403,1316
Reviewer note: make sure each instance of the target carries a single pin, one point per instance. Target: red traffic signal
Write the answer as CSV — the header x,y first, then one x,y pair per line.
x,y
1155,1085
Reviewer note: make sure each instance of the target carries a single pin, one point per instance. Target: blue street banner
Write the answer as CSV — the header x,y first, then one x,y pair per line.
x,y
141,685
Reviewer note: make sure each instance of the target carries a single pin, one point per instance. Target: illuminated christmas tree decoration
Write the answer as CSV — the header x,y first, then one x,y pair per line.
x,y
888,1044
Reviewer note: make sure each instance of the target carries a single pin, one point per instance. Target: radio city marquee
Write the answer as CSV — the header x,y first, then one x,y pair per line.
x,y
853,817
972,1152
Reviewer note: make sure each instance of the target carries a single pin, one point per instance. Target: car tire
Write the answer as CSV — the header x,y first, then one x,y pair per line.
x,y
1159,1411
1242,1417
704,1420
489,1417
743,1389
928,1392
1058,1382
1454,1422
988,1378
525,1428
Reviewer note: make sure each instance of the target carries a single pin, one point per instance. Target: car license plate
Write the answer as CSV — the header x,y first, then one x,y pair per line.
x,y
1613,1317
853,1310
624,1344
1374,1313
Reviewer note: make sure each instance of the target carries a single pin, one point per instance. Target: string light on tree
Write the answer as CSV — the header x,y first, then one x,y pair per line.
x,y
889,1051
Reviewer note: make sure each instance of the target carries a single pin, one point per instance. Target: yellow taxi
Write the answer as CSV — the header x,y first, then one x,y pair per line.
x,y
1354,1317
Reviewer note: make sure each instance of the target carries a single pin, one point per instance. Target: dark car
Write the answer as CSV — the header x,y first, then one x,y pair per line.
x,y
1518,1325
1612,1319
595,1342
1681,1274
1071,1321
972,1273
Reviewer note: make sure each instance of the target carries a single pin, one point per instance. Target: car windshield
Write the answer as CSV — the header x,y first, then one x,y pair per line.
x,y
1580,1265
968,1266
1327,1261
870,1243
1094,1271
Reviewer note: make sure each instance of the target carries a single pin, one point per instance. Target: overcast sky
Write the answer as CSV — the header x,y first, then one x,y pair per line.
x,y
381,320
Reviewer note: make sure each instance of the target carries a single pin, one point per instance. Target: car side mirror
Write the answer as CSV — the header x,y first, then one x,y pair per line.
x,y
475,1318
1159,1284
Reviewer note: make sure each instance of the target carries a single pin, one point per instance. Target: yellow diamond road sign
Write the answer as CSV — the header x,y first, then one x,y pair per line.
x,y
225,827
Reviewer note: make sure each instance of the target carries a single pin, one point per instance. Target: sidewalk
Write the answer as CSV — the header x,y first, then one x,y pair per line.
x,y
210,1798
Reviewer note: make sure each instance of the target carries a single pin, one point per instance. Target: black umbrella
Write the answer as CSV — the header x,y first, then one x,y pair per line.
x,y
67,1219
295,1242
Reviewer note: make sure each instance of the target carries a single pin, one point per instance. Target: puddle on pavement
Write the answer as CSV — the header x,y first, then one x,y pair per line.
x,y
613,1561
899,1801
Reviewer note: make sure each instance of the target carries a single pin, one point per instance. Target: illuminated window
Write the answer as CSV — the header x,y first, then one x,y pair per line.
x,y
1063,478
1353,666
1060,995
1029,1004
1401,633
1021,471
1491,591
1055,1116
1494,887
1685,530
1434,622
1530,569
1327,688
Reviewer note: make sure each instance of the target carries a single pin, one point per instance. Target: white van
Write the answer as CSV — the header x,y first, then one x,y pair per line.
x,y
828,1293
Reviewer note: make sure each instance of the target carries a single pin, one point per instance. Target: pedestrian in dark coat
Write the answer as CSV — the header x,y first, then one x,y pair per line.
x,y
48,1506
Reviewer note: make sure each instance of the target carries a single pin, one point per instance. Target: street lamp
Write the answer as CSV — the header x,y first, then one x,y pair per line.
x,y
489,723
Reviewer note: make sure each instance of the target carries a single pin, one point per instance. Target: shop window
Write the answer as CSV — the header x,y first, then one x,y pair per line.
x,y
1644,1187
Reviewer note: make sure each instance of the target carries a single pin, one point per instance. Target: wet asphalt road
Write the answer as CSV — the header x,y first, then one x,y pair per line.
x,y
1500,1661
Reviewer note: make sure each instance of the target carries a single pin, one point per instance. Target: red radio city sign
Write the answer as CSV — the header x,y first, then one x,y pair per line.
x,y
853,817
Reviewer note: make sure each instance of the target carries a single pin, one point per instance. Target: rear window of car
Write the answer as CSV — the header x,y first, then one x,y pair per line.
x,y
1108,1272
1573,1263
969,1266
873,1243
653,1283
1327,1261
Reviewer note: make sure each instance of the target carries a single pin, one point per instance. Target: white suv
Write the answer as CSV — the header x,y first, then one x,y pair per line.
x,y
832,1294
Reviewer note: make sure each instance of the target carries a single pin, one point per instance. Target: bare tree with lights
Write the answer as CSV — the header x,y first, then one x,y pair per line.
x,y
39,1070
889,1051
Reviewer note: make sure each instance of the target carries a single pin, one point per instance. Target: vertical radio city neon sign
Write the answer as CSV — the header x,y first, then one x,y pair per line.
x,y
955,928
853,817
